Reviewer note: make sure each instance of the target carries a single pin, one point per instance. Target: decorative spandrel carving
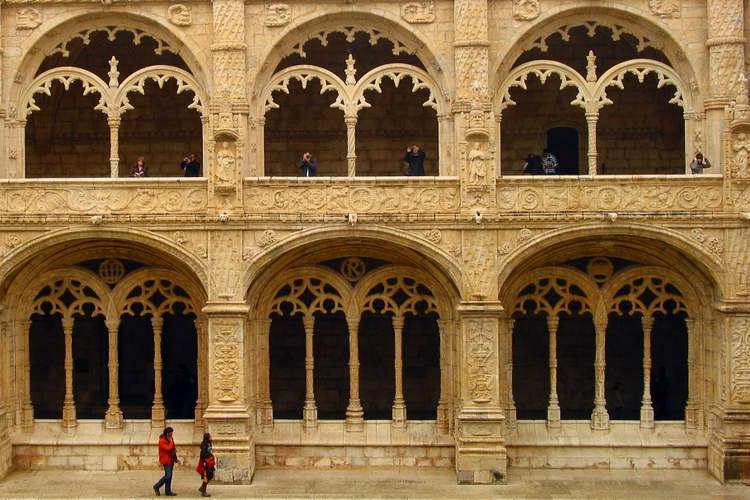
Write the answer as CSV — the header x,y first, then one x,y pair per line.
x,y
481,353
28,18
665,8
740,362
225,256
526,10
227,361
180,15
479,257
418,12
278,14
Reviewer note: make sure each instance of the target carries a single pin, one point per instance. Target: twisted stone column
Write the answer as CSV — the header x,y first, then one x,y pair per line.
x,y
157,409
351,141
591,120
309,411
399,405
114,146
354,412
600,417
553,408
69,404
113,417
647,409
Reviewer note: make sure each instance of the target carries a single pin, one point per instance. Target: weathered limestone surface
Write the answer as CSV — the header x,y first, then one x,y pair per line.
x,y
473,243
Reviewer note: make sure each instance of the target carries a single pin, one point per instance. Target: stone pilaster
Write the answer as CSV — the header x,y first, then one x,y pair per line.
x,y
729,442
5,444
480,452
474,122
726,53
227,417
227,127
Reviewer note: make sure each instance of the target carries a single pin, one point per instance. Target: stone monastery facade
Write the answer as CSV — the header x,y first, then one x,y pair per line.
x,y
475,317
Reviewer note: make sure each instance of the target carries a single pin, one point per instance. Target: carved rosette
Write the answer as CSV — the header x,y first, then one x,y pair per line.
x,y
526,10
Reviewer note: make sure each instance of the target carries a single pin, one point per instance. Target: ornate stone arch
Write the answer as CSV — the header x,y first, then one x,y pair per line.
x,y
327,20
662,283
657,242
30,300
140,287
640,68
160,74
66,76
398,72
542,70
413,285
621,19
576,293
437,261
323,285
195,268
304,74
52,36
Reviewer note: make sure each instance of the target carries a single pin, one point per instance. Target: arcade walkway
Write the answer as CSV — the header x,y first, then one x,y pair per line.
x,y
381,483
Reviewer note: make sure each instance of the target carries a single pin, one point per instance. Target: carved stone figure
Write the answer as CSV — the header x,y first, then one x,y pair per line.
x,y
278,14
526,10
180,15
225,163
477,165
418,12
28,18
740,147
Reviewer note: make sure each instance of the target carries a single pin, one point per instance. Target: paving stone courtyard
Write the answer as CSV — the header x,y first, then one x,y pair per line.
x,y
381,483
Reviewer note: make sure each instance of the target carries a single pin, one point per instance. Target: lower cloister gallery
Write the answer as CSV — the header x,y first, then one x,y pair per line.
x,y
213,217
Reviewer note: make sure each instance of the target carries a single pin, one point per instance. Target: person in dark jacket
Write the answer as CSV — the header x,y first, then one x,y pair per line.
x,y
139,168
190,166
533,165
206,464
415,159
167,458
308,166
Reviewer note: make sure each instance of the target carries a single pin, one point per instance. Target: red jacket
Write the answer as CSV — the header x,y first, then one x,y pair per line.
x,y
167,451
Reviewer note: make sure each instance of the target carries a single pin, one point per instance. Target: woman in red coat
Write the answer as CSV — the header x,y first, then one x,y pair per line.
x,y
167,458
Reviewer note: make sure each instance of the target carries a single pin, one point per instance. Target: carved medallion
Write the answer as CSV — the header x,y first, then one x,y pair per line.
x,y
665,8
180,15
28,18
526,10
278,14
418,12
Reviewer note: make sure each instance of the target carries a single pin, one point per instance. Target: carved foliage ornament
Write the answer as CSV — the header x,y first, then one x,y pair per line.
x,y
526,10
740,386
278,14
226,369
180,15
482,359
418,12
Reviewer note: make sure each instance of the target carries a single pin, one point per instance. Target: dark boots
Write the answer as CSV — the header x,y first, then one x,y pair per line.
x,y
202,489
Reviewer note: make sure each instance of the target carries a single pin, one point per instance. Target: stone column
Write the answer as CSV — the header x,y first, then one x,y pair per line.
x,y
693,414
445,330
113,417
260,148
498,139
264,374
553,408
354,412
351,143
309,411
114,146
591,119
6,449
726,61
647,409
201,333
600,417
507,325
227,417
157,408
399,405
69,404
480,452
23,375
444,139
